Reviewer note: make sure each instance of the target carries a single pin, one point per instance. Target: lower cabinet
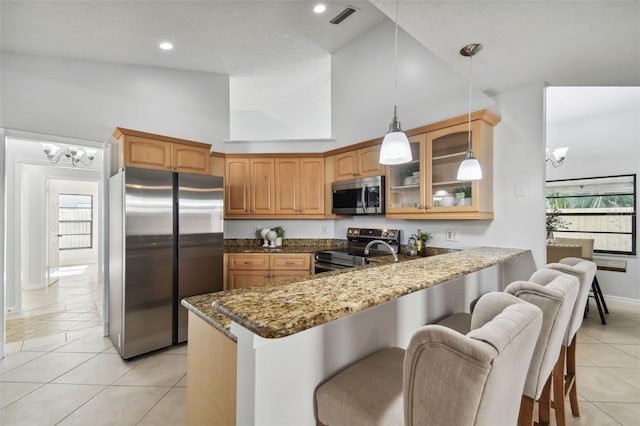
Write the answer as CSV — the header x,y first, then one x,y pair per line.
x,y
251,269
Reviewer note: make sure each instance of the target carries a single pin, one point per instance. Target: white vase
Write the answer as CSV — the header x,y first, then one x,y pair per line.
x,y
278,241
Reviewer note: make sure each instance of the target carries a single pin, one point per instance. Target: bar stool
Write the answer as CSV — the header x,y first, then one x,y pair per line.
x,y
585,271
444,377
556,300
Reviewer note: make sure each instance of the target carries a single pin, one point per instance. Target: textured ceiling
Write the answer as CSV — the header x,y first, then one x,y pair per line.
x,y
558,42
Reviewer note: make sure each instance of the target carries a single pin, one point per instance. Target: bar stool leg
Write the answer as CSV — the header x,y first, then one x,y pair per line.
x,y
544,404
571,386
558,388
525,418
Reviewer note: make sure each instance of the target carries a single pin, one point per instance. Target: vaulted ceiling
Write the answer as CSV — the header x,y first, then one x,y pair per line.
x,y
558,42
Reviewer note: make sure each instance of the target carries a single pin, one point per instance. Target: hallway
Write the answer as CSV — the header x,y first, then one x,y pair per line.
x,y
73,303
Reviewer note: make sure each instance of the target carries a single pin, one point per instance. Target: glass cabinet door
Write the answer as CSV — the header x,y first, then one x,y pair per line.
x,y
406,182
447,149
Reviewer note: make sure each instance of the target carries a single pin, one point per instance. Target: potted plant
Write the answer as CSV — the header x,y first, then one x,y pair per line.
x,y
554,222
280,233
463,195
424,237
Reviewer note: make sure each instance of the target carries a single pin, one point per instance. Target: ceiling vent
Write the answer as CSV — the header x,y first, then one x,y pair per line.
x,y
348,11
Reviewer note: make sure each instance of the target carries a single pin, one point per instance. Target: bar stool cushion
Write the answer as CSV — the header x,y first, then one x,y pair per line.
x,y
584,271
556,301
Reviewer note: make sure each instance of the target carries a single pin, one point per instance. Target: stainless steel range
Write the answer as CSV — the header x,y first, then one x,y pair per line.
x,y
381,242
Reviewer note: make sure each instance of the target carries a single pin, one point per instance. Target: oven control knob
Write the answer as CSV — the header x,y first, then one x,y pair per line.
x,y
392,234
356,232
350,231
385,234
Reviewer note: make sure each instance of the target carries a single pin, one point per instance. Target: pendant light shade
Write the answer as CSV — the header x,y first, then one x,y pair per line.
x,y
470,167
395,147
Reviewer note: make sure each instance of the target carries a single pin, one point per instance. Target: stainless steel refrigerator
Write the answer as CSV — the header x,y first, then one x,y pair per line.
x,y
165,244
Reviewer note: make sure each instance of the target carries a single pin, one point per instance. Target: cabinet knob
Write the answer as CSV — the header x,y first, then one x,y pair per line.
x,y
248,262
290,263
420,207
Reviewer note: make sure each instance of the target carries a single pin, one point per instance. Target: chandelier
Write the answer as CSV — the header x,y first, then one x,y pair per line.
x,y
75,154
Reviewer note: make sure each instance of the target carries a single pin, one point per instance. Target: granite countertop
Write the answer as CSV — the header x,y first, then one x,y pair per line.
x,y
298,245
284,308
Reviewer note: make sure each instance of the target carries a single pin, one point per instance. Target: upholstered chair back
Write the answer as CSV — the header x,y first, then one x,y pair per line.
x,y
473,379
585,271
556,301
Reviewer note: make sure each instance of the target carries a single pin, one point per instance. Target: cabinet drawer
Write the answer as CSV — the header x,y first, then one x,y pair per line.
x,y
290,262
246,262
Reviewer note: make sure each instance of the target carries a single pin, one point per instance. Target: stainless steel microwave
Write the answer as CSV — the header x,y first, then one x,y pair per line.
x,y
358,196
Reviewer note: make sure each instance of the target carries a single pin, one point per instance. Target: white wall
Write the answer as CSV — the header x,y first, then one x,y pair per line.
x,y
80,256
603,140
86,99
292,101
362,86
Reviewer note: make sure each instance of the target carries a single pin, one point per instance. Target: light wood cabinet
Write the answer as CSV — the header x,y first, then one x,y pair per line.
x,y
251,269
149,151
299,186
427,187
358,163
249,186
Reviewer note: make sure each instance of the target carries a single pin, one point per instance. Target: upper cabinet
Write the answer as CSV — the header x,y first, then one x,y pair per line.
x,y
359,163
300,186
149,151
427,187
249,186
266,187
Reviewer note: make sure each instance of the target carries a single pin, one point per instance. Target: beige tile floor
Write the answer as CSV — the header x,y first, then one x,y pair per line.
x,y
77,377
73,303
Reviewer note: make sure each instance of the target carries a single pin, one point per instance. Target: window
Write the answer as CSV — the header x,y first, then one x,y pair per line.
x,y
75,216
602,208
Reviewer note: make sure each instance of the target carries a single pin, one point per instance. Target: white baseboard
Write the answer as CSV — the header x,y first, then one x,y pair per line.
x,y
622,299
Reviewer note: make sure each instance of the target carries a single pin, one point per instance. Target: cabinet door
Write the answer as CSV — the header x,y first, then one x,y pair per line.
x,y
288,186
241,279
406,182
369,162
290,262
346,165
147,153
262,199
311,188
191,159
446,149
237,186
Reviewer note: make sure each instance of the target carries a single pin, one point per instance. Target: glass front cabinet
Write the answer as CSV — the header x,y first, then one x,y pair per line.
x,y
427,187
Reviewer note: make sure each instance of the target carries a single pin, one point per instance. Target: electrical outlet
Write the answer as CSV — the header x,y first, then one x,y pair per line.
x,y
451,234
323,230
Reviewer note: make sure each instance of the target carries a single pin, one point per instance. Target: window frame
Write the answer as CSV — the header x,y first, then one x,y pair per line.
x,y
633,213
90,221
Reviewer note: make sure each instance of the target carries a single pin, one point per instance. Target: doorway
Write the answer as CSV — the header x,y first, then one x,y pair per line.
x,y
54,261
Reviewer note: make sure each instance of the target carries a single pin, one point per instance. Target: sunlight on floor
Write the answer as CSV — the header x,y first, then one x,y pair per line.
x,y
66,271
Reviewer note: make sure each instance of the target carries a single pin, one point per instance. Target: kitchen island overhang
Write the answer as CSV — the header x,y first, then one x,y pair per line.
x,y
291,336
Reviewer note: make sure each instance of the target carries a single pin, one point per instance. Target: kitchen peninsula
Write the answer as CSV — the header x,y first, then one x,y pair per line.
x,y
257,354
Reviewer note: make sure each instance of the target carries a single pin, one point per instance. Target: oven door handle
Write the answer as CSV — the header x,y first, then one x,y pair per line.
x,y
363,196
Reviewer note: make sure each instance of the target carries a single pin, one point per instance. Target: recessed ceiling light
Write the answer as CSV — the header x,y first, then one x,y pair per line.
x,y
319,8
165,45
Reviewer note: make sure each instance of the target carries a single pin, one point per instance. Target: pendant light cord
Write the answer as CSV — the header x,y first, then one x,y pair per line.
x,y
395,62
470,82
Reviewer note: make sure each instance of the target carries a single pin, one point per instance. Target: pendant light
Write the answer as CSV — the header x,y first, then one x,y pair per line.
x,y
470,168
395,147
